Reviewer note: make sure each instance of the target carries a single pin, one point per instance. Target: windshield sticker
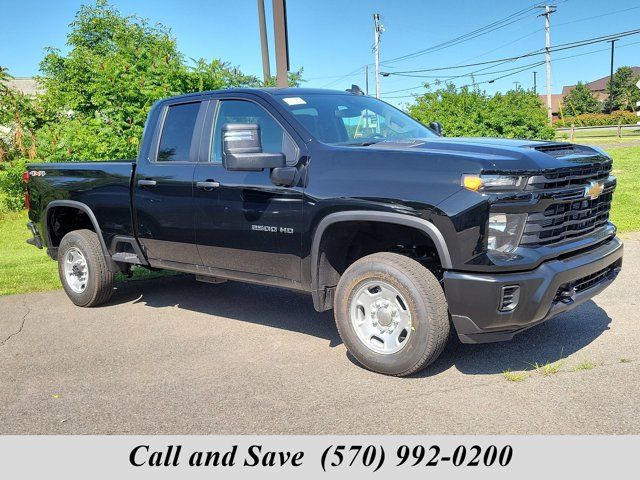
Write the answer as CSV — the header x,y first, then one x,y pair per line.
x,y
294,101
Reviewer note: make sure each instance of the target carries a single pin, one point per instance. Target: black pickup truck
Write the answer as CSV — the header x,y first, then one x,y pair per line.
x,y
403,232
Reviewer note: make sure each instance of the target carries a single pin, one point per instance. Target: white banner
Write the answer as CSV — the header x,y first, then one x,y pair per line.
x,y
295,457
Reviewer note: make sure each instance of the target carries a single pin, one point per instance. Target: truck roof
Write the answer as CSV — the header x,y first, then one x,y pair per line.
x,y
273,91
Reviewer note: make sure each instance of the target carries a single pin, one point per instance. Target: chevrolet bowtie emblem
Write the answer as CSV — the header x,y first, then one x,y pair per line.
x,y
593,190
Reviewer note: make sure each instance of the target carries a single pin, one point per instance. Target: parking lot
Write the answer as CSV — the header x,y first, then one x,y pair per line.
x,y
173,356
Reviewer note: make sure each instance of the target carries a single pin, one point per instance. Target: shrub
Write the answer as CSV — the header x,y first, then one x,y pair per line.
x,y
471,112
619,117
12,185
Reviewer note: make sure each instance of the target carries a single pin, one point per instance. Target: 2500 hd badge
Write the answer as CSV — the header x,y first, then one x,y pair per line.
x,y
269,228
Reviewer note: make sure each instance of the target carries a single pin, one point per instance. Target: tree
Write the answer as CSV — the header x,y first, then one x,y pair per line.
x,y
97,95
461,111
472,112
518,114
625,91
294,78
581,100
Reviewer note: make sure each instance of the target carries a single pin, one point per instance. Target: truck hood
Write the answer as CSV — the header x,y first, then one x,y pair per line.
x,y
503,154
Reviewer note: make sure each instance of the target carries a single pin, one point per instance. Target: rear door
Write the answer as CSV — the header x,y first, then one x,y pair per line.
x,y
245,223
163,186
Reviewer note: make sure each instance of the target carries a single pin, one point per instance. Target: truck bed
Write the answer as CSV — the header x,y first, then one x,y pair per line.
x,y
104,186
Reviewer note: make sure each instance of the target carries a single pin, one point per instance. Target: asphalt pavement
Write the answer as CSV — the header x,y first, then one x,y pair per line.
x,y
174,356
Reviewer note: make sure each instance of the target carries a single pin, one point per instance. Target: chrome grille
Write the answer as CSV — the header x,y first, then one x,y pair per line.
x,y
569,214
570,177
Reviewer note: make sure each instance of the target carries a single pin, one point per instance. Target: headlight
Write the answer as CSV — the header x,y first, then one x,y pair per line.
x,y
494,183
505,231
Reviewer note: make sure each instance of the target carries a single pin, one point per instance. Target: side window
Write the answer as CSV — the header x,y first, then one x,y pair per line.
x,y
177,132
274,138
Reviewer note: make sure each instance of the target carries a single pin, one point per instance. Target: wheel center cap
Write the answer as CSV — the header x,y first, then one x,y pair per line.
x,y
384,316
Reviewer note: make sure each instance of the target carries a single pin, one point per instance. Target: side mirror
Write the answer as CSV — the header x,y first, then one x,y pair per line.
x,y
436,127
242,149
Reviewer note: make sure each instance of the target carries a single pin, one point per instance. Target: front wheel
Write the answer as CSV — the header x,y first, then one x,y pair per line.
x,y
391,314
83,270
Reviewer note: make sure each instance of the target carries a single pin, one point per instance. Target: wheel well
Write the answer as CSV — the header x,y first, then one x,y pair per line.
x,y
62,220
345,242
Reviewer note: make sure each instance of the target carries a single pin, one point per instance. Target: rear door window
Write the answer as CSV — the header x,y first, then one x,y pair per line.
x,y
177,132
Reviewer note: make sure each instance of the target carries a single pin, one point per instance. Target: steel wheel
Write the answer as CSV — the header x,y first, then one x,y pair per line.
x,y
76,270
380,317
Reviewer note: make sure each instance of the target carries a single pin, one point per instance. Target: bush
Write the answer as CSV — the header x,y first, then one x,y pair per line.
x,y
619,117
472,112
12,185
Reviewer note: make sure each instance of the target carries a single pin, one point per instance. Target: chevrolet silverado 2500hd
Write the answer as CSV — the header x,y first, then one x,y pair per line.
x,y
403,232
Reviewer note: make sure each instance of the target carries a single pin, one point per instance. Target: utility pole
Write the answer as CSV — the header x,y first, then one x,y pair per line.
x,y
535,82
548,10
282,42
378,29
266,70
613,42
517,84
366,79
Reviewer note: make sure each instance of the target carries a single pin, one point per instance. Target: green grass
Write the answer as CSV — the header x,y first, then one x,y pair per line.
x,y
585,365
24,268
625,212
548,368
514,376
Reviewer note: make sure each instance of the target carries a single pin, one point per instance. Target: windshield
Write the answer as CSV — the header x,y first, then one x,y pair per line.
x,y
353,119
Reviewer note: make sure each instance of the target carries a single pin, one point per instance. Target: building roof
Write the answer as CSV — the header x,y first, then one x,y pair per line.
x,y
25,85
556,100
597,85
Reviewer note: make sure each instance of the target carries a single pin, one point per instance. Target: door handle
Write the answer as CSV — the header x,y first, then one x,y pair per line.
x,y
146,183
207,185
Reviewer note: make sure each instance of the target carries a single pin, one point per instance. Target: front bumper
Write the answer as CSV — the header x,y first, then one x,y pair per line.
x,y
474,299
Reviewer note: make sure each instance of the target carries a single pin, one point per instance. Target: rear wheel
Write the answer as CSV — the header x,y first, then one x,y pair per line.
x,y
391,314
83,270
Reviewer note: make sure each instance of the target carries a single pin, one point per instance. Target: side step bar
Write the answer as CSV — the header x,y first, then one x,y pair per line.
x,y
136,257
126,258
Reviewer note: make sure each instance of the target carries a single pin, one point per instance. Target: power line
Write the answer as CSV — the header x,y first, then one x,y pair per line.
x,y
510,19
596,16
482,83
521,12
350,74
529,67
560,47
537,30
453,77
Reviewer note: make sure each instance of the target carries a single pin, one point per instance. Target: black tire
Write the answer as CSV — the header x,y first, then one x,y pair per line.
x,y
426,304
99,281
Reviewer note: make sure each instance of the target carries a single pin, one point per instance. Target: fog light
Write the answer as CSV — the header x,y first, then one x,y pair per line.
x,y
505,230
509,298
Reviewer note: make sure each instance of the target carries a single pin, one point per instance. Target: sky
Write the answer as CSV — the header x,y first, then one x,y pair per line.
x,y
332,40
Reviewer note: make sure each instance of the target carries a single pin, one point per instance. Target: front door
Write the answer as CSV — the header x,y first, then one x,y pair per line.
x,y
245,223
163,188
